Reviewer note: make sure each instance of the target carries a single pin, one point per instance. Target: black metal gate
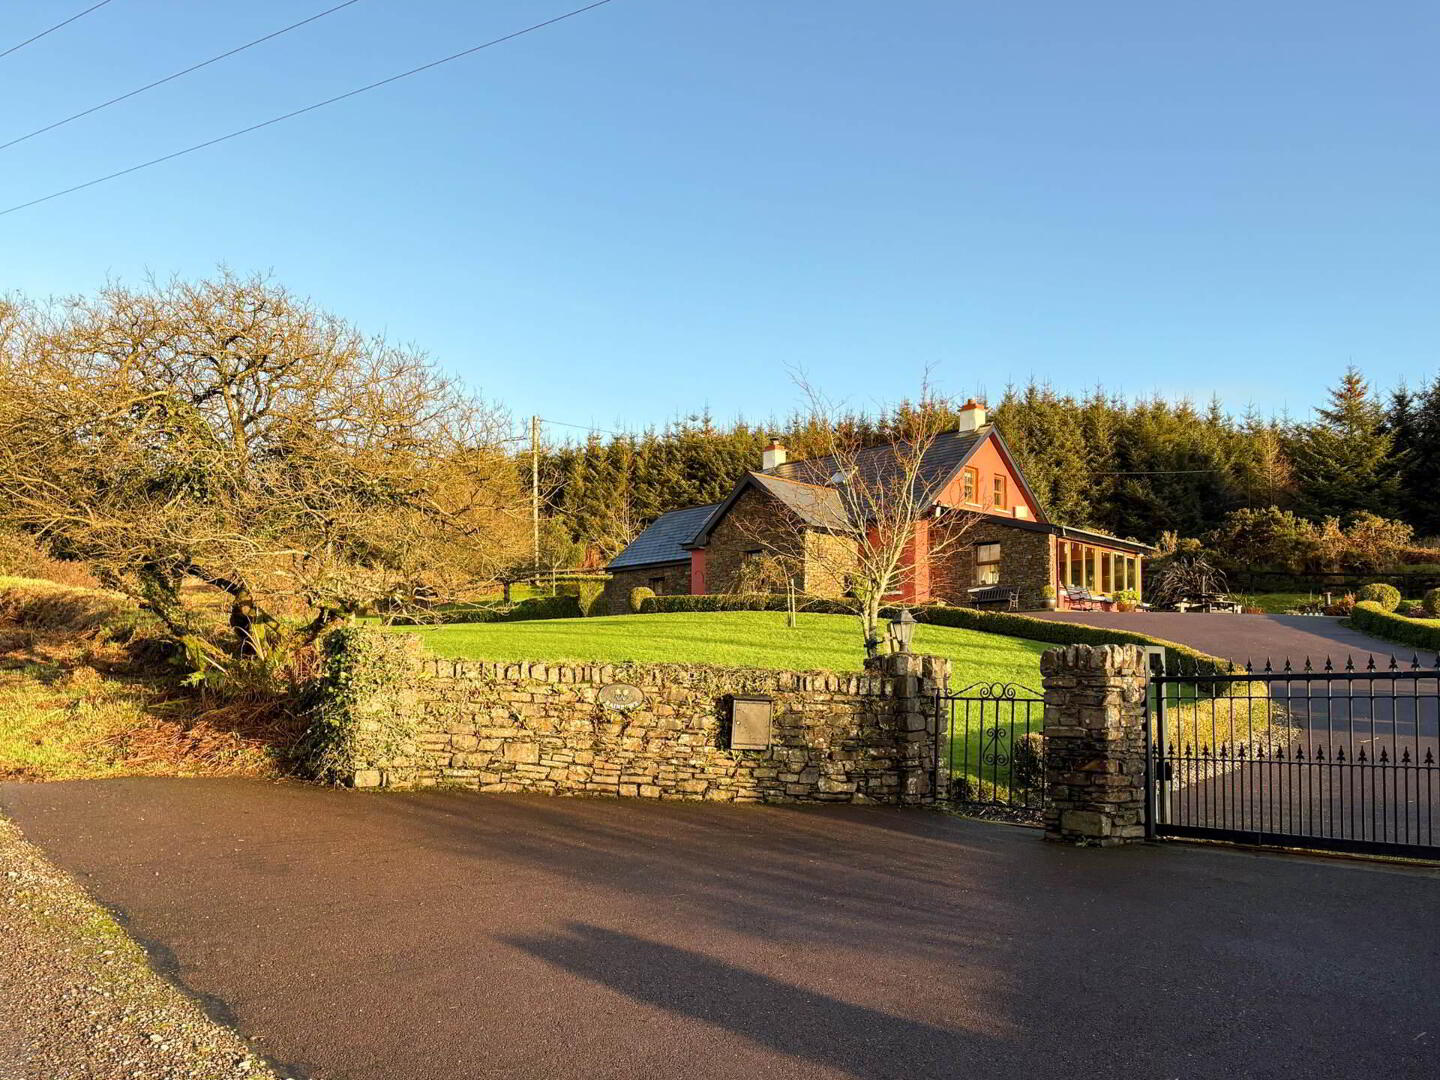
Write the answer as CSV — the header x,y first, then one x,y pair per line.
x,y
1339,759
989,753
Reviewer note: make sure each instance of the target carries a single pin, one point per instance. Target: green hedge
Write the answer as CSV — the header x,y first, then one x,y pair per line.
x,y
654,605
1177,657
1374,619
537,607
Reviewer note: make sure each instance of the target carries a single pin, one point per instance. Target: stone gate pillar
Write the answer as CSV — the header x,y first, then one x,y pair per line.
x,y
1095,743
916,682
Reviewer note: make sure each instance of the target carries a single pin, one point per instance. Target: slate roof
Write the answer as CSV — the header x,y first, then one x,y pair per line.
x,y
664,540
878,466
812,504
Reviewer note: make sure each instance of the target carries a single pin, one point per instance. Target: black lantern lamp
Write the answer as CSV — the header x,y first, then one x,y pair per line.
x,y
902,629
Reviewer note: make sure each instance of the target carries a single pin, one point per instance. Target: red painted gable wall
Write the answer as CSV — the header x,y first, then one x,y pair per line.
x,y
987,461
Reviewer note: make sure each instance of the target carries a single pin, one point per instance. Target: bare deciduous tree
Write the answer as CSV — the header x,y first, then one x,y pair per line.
x,y
883,509
228,432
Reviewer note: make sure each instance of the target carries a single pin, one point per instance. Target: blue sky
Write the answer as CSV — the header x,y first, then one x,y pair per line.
x,y
658,207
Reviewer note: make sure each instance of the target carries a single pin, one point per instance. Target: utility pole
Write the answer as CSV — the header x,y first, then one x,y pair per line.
x,y
535,490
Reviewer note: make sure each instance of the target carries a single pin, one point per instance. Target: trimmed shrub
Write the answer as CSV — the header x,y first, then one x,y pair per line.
x,y
543,607
1374,619
1387,596
1431,602
588,591
638,596
591,595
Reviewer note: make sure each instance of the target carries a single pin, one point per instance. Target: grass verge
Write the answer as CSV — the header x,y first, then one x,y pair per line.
x,y
78,997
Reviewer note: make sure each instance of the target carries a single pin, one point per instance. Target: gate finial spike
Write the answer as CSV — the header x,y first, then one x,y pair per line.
x,y
1394,664
1349,662
1268,669
1370,666
1328,665
1415,662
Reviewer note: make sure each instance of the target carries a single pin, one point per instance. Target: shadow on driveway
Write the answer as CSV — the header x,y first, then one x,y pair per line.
x,y
447,935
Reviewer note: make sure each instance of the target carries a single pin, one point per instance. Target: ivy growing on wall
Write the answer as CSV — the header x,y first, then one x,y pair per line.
x,y
363,713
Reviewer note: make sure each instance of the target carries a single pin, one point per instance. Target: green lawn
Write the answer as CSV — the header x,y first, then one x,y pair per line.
x,y
729,639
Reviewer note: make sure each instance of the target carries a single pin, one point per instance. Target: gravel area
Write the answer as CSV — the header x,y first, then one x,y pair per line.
x,y
78,998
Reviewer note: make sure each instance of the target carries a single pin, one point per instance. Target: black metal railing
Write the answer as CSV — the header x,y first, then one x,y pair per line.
x,y
989,752
1344,758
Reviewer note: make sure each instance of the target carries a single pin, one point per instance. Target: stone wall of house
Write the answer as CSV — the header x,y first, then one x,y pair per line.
x,y
830,560
537,727
1027,561
674,581
756,522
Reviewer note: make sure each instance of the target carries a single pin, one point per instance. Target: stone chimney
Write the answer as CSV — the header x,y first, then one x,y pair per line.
x,y
775,454
972,415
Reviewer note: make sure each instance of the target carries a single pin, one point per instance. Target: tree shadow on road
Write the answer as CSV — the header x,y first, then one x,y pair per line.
x,y
865,1043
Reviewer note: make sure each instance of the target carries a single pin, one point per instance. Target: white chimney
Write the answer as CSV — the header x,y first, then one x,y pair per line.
x,y
972,415
774,455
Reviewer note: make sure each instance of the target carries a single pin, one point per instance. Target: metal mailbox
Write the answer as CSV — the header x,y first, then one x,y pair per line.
x,y
750,722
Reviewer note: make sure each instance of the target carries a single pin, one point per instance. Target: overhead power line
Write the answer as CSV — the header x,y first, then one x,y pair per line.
x,y
1160,472
583,427
308,108
176,75
57,26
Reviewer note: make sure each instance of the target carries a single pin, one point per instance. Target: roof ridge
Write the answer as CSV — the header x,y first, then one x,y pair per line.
x,y
789,480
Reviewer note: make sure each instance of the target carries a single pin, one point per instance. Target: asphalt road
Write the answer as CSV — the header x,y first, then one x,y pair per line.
x,y
1254,638
448,935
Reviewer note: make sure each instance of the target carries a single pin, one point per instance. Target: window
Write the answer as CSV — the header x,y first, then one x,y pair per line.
x,y
1000,501
969,485
657,586
987,564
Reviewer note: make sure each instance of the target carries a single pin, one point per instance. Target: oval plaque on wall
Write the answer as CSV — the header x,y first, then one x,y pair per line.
x,y
619,695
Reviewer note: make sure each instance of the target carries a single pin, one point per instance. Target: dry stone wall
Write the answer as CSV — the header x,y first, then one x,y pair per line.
x,y
542,727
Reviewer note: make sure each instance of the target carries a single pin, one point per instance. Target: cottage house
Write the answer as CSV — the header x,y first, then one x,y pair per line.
x,y
1008,548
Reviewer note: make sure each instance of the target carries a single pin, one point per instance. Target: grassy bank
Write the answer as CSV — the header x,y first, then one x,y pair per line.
x,y
76,703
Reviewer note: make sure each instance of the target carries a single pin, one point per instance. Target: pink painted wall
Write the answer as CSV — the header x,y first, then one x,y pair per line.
x,y
987,461
697,571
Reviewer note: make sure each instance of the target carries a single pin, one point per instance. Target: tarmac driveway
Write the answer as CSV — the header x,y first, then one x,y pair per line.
x,y
448,935
1255,638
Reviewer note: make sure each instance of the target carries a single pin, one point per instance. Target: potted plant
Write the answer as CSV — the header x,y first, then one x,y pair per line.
x,y
1126,600
1047,597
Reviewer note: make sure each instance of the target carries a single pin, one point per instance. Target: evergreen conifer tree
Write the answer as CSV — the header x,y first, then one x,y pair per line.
x,y
1342,459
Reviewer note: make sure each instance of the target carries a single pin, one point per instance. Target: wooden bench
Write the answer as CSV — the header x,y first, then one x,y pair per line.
x,y
1007,596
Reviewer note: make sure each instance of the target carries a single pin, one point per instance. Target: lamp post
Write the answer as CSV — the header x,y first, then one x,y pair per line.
x,y
902,629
